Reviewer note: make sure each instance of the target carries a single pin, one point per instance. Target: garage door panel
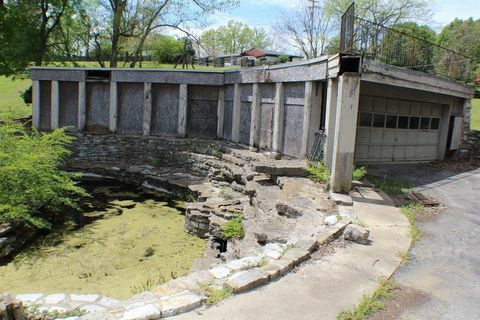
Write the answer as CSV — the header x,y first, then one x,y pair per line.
x,y
426,109
415,108
401,137
363,135
361,152
399,152
379,105
436,111
366,103
374,152
392,106
389,137
425,152
410,152
387,152
376,136
433,137
411,137
422,138
404,107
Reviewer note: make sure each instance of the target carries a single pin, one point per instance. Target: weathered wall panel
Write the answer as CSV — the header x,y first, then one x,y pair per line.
x,y
202,111
130,108
227,119
267,108
165,99
245,113
98,97
45,104
68,112
293,119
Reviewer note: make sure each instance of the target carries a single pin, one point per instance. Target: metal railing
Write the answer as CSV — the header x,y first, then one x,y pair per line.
x,y
399,47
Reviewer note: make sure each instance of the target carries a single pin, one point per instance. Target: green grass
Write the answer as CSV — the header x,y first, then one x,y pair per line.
x,y
412,211
475,121
371,304
233,228
11,104
317,171
392,187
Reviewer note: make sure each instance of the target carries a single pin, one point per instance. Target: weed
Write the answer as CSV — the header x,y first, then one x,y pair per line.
x,y
360,222
185,196
405,256
287,247
149,252
317,171
147,285
371,304
214,295
412,211
358,173
34,312
234,228
392,187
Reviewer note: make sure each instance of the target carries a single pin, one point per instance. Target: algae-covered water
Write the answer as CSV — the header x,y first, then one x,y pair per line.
x,y
123,242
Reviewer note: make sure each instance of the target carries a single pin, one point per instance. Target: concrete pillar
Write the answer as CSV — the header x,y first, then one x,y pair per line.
x,y
311,115
36,104
113,107
278,114
444,129
345,132
147,108
55,106
237,105
467,117
330,117
256,120
220,112
182,111
82,105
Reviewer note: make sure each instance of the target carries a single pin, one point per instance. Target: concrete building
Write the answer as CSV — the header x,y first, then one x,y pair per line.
x,y
367,112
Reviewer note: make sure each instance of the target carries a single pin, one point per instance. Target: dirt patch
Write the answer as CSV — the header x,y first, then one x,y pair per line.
x,y
458,164
404,298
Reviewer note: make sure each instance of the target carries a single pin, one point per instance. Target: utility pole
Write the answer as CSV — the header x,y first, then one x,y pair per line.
x,y
311,32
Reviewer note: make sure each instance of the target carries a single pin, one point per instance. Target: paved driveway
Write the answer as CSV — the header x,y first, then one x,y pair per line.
x,y
445,268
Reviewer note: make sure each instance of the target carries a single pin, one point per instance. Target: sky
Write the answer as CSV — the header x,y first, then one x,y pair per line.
x,y
263,13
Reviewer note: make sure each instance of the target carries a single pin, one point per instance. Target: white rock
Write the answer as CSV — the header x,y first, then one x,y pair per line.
x,y
54,298
31,297
107,302
93,308
243,263
84,297
220,272
273,254
273,246
330,220
179,303
144,312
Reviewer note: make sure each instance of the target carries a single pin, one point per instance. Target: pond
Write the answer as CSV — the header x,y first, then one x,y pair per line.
x,y
124,241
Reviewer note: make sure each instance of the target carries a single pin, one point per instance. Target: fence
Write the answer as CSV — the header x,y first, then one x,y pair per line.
x,y
397,46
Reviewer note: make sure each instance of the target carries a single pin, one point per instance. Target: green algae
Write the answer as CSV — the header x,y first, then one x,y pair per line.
x,y
123,249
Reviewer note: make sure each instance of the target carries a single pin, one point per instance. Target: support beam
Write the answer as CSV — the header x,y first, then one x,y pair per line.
x,y
182,111
82,105
278,115
345,132
113,107
220,112
147,108
311,115
330,117
36,104
256,120
444,129
237,105
55,106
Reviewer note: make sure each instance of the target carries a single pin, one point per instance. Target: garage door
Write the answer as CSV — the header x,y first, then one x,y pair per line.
x,y
397,130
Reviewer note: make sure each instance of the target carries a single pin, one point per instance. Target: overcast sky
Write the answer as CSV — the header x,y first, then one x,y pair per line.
x,y
262,13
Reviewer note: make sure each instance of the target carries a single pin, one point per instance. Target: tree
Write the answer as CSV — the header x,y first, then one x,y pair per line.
x,y
165,48
235,37
308,28
461,36
27,30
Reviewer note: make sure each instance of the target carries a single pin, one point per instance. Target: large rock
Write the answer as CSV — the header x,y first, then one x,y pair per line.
x,y
355,233
287,168
246,280
11,309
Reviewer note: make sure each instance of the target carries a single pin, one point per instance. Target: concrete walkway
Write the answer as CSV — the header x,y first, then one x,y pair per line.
x,y
445,265
321,289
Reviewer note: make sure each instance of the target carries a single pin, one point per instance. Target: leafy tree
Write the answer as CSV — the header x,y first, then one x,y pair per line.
x,y
166,49
235,37
30,180
461,36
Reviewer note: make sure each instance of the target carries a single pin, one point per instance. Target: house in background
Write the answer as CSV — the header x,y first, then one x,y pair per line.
x,y
255,57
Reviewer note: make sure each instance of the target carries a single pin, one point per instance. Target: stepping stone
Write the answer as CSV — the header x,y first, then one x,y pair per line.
x,y
31,297
149,311
84,297
54,298
246,280
297,255
179,303
220,272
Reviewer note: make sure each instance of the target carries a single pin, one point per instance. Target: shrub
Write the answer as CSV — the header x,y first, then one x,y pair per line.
x,y
30,178
359,173
233,228
283,59
27,95
318,172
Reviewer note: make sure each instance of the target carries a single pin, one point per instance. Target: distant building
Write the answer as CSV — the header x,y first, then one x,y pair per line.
x,y
258,57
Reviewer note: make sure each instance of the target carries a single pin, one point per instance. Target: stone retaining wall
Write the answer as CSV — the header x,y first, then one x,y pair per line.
x,y
471,143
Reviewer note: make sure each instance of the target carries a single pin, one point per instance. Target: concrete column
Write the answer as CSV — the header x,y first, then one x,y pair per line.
x,y
444,128
113,107
330,116
55,106
182,111
147,108
220,112
311,115
82,105
278,114
256,119
345,132
237,105
36,103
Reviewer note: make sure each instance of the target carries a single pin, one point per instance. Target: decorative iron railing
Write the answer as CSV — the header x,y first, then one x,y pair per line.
x,y
400,48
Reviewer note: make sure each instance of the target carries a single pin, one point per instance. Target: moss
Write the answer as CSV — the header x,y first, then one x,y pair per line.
x,y
107,256
233,228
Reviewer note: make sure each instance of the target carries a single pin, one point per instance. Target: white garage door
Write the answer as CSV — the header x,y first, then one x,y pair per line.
x,y
397,130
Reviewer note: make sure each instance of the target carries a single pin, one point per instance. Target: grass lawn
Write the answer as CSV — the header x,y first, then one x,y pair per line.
x,y
11,104
475,121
